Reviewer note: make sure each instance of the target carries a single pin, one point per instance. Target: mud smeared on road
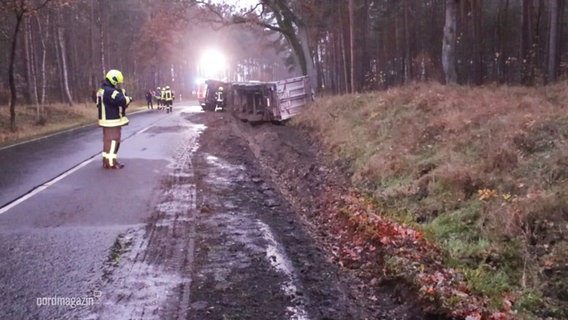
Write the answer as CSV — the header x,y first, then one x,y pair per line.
x,y
148,272
230,237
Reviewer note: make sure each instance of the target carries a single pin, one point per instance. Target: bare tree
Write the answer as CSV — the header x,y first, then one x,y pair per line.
x,y
31,69
477,54
527,50
63,56
352,44
44,37
449,42
553,33
20,8
293,27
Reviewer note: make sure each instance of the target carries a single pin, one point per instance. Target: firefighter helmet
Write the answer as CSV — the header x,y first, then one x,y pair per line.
x,y
115,77
220,89
167,87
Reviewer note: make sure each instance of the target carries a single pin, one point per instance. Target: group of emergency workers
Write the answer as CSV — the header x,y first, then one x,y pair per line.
x,y
164,98
112,102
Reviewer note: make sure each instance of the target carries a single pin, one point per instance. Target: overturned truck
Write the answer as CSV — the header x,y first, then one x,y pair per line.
x,y
265,101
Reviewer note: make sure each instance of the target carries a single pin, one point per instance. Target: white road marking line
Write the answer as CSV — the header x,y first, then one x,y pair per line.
x,y
44,186
51,182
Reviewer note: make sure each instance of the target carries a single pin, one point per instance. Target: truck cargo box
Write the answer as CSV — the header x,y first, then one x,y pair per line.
x,y
269,101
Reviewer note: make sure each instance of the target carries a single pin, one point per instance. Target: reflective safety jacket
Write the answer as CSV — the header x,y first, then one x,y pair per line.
x,y
219,96
112,104
167,95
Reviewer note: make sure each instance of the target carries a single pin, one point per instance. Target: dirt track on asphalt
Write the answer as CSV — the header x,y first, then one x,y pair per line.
x,y
235,235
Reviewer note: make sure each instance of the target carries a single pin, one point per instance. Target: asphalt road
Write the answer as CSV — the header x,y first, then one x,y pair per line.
x,y
60,211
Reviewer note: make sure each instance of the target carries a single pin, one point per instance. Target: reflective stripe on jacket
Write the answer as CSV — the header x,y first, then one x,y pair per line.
x,y
112,104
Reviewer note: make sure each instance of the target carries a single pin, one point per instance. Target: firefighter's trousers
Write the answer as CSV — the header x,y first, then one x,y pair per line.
x,y
111,143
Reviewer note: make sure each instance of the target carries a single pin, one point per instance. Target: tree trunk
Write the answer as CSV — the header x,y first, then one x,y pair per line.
x,y
44,37
352,45
526,52
29,60
32,70
344,79
449,42
362,55
502,50
540,37
398,59
309,61
476,6
11,80
102,36
407,55
63,56
552,68
320,72
93,70
345,64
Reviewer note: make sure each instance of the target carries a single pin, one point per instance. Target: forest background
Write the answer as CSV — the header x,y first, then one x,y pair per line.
x,y
59,50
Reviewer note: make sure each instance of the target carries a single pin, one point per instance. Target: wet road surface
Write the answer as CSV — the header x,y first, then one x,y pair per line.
x,y
54,244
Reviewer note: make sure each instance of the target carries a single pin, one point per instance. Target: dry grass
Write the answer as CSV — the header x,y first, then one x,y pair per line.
x,y
54,118
497,155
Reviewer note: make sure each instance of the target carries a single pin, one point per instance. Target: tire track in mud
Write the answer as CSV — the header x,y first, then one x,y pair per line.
x,y
253,257
242,272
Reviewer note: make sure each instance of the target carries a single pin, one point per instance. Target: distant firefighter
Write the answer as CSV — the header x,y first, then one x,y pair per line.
x,y
168,99
220,99
149,95
158,97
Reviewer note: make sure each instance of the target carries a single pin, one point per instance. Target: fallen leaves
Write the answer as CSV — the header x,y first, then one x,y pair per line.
x,y
486,194
417,260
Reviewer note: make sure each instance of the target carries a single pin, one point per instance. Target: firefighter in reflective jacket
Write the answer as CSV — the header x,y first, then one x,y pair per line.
x,y
219,99
158,96
162,101
112,103
168,99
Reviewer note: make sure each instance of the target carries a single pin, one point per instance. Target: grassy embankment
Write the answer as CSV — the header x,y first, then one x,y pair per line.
x,y
481,172
54,118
